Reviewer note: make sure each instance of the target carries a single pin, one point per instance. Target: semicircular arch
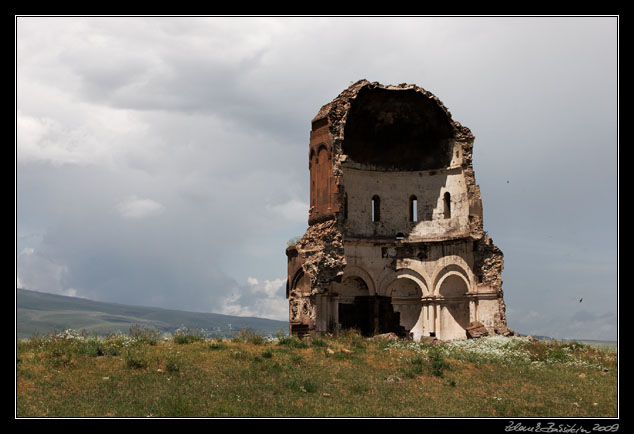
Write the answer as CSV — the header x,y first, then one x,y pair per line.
x,y
452,277
300,282
356,271
296,277
451,264
421,281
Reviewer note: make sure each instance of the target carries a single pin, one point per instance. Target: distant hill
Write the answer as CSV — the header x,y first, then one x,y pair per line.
x,y
41,313
590,342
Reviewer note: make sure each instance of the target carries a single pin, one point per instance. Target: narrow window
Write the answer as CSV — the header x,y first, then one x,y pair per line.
x,y
376,209
345,206
413,209
447,200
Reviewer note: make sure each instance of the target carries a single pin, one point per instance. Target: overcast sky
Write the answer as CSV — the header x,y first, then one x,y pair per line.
x,y
162,161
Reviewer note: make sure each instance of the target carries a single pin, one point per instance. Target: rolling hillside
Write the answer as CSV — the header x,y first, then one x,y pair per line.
x,y
40,313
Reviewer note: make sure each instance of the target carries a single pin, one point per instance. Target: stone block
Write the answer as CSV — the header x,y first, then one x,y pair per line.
x,y
476,330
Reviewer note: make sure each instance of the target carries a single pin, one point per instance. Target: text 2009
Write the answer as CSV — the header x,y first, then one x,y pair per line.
x,y
606,428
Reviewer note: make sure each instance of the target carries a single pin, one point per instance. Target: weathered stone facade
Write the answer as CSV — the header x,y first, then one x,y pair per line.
x,y
395,240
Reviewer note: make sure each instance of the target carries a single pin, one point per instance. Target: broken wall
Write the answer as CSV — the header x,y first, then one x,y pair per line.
x,y
396,190
392,143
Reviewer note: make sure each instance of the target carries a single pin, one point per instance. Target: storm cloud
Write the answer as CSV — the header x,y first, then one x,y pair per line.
x,y
163,160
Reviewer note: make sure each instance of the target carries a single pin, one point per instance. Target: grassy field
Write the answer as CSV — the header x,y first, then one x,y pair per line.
x,y
141,375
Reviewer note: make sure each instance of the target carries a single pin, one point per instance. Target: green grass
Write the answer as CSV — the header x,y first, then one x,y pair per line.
x,y
70,375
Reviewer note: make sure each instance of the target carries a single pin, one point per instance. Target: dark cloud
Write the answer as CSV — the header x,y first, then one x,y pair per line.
x,y
163,161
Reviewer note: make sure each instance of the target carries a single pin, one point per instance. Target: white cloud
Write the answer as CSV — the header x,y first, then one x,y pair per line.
x,y
70,292
267,287
84,135
35,140
263,299
138,208
38,272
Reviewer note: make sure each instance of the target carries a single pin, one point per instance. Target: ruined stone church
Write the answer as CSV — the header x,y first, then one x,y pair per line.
x,y
395,241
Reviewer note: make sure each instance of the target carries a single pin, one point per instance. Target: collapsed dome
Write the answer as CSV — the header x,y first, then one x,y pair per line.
x,y
401,129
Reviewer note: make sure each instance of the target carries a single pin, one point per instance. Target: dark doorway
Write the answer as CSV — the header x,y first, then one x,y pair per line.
x,y
357,315
371,315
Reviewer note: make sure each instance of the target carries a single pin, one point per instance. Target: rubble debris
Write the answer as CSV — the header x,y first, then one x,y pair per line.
x,y
476,330
391,336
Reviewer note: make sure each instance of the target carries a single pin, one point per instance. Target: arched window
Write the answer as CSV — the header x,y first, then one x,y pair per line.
x,y
413,209
376,208
447,200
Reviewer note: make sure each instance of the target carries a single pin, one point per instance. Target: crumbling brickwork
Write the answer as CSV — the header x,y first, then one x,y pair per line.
x,y
395,242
